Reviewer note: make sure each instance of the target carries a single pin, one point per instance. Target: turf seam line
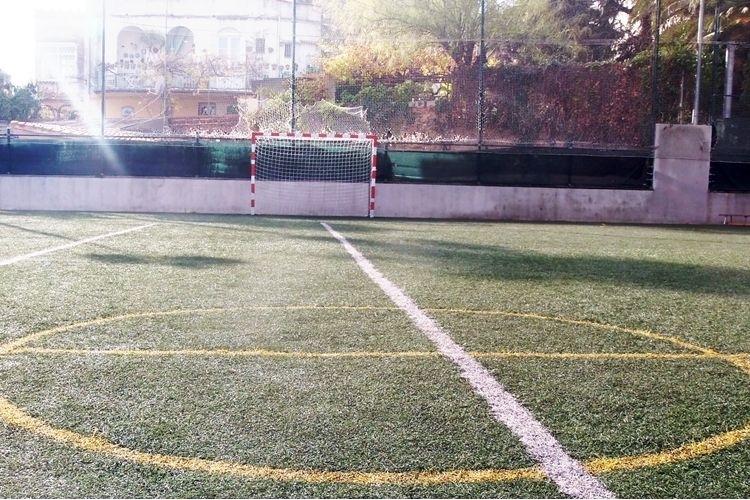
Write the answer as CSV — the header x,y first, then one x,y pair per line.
x,y
568,474
39,253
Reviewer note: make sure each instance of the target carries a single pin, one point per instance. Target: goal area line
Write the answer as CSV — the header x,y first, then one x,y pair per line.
x,y
313,174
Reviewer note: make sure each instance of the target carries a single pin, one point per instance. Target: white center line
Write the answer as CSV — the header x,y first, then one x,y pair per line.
x,y
569,475
27,256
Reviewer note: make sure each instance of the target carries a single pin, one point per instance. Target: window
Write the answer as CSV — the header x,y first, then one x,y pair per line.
x,y
206,108
57,61
180,41
287,50
260,45
230,46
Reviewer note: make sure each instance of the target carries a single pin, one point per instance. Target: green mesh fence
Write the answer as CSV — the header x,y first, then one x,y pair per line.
x,y
169,72
231,160
87,157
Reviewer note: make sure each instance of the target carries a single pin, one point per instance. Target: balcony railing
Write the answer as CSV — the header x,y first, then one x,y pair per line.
x,y
142,83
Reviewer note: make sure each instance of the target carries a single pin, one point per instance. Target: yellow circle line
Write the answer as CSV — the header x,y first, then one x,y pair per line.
x,y
689,451
265,353
591,355
20,342
16,417
229,353
594,324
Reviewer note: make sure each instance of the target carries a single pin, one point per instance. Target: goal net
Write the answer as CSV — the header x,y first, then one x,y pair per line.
x,y
313,175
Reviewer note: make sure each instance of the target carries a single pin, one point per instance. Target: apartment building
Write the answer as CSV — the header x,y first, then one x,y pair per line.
x,y
60,63
172,62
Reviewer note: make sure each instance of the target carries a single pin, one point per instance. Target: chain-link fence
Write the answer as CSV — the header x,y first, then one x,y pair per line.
x,y
603,105
169,72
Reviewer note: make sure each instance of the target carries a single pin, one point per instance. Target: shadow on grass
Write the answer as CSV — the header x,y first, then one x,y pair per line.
x,y
514,265
491,262
35,231
184,261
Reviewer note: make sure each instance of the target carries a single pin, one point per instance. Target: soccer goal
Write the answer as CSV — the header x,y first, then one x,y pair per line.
x,y
313,174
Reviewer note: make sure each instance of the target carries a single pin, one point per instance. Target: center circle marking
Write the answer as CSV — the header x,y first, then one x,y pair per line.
x,y
14,416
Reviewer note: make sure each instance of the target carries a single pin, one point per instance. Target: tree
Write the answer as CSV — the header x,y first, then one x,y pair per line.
x,y
15,103
678,32
600,25
454,25
679,18
5,84
358,63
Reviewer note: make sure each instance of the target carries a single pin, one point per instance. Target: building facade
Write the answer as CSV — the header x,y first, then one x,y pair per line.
x,y
169,61
60,63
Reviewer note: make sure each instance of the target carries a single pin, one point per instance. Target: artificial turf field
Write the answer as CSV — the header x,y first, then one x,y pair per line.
x,y
212,356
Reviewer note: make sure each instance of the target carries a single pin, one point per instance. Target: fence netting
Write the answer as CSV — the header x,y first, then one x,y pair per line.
x,y
169,72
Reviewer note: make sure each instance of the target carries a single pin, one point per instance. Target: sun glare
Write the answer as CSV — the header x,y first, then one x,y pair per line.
x,y
18,35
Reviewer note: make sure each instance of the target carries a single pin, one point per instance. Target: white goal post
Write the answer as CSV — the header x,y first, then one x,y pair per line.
x,y
313,174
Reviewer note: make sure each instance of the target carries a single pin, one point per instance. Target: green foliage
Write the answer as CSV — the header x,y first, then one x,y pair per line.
x,y
454,25
357,63
274,115
312,90
18,103
676,78
592,103
387,106
679,20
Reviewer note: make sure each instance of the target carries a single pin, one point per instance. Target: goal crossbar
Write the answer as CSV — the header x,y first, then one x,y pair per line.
x,y
313,174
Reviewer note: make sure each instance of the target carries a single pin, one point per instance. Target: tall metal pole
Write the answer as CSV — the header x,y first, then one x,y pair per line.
x,y
480,101
729,79
103,72
655,68
699,62
293,123
165,70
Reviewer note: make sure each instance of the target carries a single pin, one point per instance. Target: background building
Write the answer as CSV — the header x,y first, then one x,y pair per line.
x,y
172,64
60,63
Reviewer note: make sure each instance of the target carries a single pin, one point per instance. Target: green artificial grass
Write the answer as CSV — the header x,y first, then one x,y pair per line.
x,y
258,341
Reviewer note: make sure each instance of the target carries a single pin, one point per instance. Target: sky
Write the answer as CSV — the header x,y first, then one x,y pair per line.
x,y
17,34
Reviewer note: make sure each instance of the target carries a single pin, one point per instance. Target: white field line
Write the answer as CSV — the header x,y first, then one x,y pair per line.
x,y
569,475
27,256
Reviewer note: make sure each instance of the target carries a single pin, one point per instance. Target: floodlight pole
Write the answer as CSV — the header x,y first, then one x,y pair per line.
x,y
480,101
103,72
655,67
293,123
699,61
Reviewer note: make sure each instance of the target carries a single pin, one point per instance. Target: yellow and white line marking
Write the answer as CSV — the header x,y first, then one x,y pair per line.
x,y
565,471
16,417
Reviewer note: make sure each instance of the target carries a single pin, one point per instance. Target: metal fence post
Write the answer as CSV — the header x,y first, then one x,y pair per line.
x,y
655,71
480,100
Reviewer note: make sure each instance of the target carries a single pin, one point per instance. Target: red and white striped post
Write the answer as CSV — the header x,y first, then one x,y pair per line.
x,y
373,174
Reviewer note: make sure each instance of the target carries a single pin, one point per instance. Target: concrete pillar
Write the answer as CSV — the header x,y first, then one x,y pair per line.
x,y
682,160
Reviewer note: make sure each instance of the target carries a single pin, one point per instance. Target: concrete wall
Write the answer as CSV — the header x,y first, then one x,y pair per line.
x,y
124,194
680,194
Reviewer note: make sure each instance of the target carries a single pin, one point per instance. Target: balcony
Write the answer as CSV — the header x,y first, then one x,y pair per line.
x,y
227,83
142,83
